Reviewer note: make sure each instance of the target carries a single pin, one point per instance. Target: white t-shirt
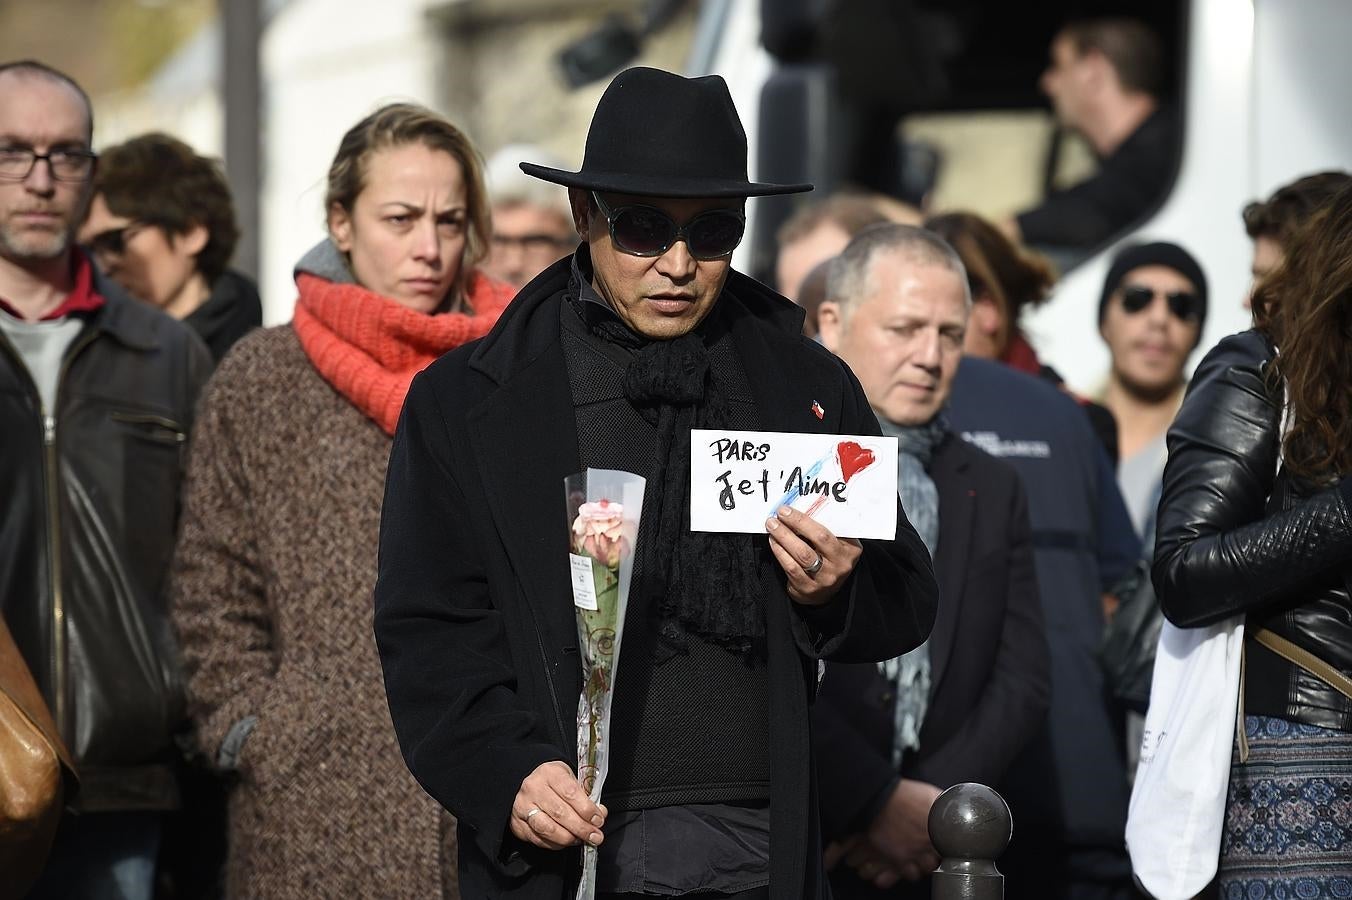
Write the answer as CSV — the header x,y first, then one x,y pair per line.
x,y
42,346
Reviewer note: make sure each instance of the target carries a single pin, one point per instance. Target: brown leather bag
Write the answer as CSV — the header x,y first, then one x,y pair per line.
x,y
37,776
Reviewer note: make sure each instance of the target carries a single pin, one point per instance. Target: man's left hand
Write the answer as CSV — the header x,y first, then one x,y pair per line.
x,y
901,829
868,862
816,561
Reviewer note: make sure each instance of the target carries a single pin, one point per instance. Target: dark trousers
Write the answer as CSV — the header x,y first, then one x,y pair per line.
x,y
753,894
102,856
1051,870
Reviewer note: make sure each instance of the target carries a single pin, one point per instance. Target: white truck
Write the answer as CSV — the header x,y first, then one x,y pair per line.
x,y
1265,89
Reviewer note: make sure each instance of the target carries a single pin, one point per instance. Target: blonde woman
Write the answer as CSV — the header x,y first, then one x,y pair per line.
x,y
277,562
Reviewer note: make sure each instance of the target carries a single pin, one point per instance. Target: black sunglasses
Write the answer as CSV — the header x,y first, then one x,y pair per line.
x,y
113,242
1185,305
647,231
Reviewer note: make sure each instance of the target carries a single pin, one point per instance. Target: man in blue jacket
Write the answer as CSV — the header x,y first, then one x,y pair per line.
x,y
1069,788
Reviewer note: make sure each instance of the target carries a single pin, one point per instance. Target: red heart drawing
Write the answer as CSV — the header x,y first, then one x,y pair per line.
x,y
853,458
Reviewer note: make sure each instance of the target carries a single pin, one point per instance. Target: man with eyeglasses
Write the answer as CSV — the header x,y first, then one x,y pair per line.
x,y
608,359
532,224
96,399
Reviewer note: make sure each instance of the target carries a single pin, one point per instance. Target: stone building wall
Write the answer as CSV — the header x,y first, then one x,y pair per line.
x,y
502,79
487,64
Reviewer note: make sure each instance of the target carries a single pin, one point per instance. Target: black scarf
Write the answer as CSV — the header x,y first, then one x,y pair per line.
x,y
711,585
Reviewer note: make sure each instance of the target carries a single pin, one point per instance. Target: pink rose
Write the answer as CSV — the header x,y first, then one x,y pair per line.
x,y
598,531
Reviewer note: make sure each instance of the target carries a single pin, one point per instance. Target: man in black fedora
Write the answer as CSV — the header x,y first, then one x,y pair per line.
x,y
607,359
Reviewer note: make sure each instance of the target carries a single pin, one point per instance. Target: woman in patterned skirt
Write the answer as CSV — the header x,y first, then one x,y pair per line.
x,y
1256,519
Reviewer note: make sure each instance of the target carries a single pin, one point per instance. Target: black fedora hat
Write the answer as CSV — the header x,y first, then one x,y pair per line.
x,y
662,135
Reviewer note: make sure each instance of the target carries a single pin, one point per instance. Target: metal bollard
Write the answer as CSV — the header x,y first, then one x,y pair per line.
x,y
970,826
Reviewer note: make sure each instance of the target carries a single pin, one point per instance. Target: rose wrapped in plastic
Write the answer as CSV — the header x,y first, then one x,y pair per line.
x,y
598,532
602,531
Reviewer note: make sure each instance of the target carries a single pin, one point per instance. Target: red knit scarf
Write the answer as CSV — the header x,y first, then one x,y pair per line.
x,y
369,347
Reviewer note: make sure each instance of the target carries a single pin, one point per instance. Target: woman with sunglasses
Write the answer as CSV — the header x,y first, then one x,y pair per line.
x,y
277,561
1256,520
162,225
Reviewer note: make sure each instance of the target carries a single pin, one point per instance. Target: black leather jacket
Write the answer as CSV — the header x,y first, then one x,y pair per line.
x,y
1237,537
87,527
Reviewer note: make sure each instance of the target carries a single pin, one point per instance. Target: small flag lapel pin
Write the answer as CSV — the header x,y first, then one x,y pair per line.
x,y
817,410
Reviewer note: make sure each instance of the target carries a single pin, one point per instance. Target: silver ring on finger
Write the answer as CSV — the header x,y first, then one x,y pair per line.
x,y
531,813
815,567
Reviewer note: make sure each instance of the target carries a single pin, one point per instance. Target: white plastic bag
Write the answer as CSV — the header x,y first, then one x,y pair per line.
x,y
1177,809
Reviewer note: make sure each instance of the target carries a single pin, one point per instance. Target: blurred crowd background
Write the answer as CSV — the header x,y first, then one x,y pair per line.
x,y
1109,178
930,102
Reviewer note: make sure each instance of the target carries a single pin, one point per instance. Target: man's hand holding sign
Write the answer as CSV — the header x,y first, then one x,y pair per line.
x,y
816,561
814,494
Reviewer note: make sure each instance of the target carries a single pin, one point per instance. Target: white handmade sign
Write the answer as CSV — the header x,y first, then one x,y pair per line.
x,y
738,479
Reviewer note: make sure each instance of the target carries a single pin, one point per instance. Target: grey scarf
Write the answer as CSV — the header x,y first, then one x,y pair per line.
x,y
910,672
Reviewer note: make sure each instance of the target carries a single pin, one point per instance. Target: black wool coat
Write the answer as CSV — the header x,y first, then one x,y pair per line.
x,y
990,668
473,610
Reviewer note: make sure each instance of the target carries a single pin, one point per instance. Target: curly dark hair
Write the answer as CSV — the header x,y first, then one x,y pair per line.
x,y
1280,215
1305,307
158,179
1014,277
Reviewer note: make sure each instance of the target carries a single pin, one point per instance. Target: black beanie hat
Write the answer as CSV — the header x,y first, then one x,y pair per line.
x,y
1156,254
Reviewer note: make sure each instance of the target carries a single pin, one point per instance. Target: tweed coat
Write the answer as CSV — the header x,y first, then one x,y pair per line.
x,y
474,617
272,591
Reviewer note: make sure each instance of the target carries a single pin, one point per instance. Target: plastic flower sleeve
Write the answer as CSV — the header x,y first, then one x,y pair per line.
x,y
603,519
